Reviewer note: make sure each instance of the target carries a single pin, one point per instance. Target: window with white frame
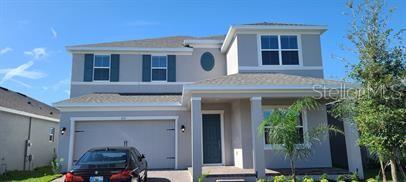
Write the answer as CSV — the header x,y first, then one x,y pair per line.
x,y
279,50
300,129
159,68
51,134
101,68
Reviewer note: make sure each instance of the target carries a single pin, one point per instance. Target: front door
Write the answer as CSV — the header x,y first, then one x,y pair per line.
x,y
212,139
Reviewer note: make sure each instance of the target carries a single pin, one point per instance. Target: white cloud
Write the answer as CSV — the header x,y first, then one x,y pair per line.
x,y
37,53
20,71
21,83
54,33
5,50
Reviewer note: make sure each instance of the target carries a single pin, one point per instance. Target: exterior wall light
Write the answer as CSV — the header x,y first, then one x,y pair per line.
x,y
182,128
63,129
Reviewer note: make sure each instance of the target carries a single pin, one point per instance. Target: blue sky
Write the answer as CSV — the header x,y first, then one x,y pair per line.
x,y
33,34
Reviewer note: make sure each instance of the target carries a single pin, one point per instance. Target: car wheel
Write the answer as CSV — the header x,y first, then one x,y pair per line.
x,y
136,179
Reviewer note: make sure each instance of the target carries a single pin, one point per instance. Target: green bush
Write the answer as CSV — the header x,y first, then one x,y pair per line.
x,y
354,177
371,180
323,176
340,178
280,178
308,179
324,180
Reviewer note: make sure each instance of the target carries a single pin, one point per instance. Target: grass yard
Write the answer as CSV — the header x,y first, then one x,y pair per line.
x,y
41,174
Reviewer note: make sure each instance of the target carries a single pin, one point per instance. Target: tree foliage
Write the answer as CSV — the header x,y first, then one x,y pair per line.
x,y
378,108
282,129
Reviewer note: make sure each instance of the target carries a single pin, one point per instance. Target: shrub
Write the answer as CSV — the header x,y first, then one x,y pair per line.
x,y
56,165
323,176
308,179
372,180
280,178
340,178
354,177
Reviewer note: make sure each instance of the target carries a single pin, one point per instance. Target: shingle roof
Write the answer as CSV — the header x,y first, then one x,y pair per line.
x,y
121,98
264,79
277,23
162,42
17,101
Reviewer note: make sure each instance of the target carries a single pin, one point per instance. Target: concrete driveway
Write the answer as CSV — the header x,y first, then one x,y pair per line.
x,y
161,176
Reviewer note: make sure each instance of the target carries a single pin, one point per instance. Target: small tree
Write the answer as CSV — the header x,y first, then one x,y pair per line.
x,y
282,129
378,108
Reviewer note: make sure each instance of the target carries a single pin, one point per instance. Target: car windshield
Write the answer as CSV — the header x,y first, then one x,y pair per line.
x,y
103,157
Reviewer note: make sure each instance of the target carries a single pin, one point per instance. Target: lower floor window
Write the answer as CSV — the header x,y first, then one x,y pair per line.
x,y
299,128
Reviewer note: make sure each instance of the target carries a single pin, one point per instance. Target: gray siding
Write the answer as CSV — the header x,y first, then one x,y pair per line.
x,y
321,156
310,73
247,55
13,134
188,69
311,49
247,50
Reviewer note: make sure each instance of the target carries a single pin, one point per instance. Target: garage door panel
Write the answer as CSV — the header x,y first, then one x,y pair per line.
x,y
155,139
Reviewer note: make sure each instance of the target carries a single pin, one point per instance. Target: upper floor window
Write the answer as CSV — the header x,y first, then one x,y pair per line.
x,y
159,68
279,50
101,68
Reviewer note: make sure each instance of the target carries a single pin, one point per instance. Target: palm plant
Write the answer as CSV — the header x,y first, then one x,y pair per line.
x,y
281,127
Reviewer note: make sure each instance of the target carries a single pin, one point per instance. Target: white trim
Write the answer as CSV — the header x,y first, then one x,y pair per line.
x,y
221,113
278,67
256,98
104,109
77,119
195,98
130,83
23,113
234,29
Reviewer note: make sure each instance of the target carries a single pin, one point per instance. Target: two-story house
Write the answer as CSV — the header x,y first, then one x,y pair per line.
x,y
189,102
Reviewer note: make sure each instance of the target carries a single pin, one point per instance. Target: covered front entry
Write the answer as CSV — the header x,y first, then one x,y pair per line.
x,y
212,139
153,138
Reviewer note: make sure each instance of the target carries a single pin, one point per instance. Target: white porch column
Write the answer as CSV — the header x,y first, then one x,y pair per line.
x,y
257,140
353,150
196,113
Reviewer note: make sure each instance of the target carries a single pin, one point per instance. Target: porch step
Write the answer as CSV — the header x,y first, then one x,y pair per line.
x,y
228,180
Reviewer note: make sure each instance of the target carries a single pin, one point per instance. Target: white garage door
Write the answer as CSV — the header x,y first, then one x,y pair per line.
x,y
154,139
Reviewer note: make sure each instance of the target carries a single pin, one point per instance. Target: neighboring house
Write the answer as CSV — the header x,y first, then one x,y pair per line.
x,y
28,132
195,101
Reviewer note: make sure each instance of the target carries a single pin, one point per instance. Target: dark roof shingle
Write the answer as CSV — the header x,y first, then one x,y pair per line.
x,y
264,79
162,42
97,98
17,101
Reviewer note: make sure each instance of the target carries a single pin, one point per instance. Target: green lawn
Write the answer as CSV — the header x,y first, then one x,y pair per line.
x,y
41,174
